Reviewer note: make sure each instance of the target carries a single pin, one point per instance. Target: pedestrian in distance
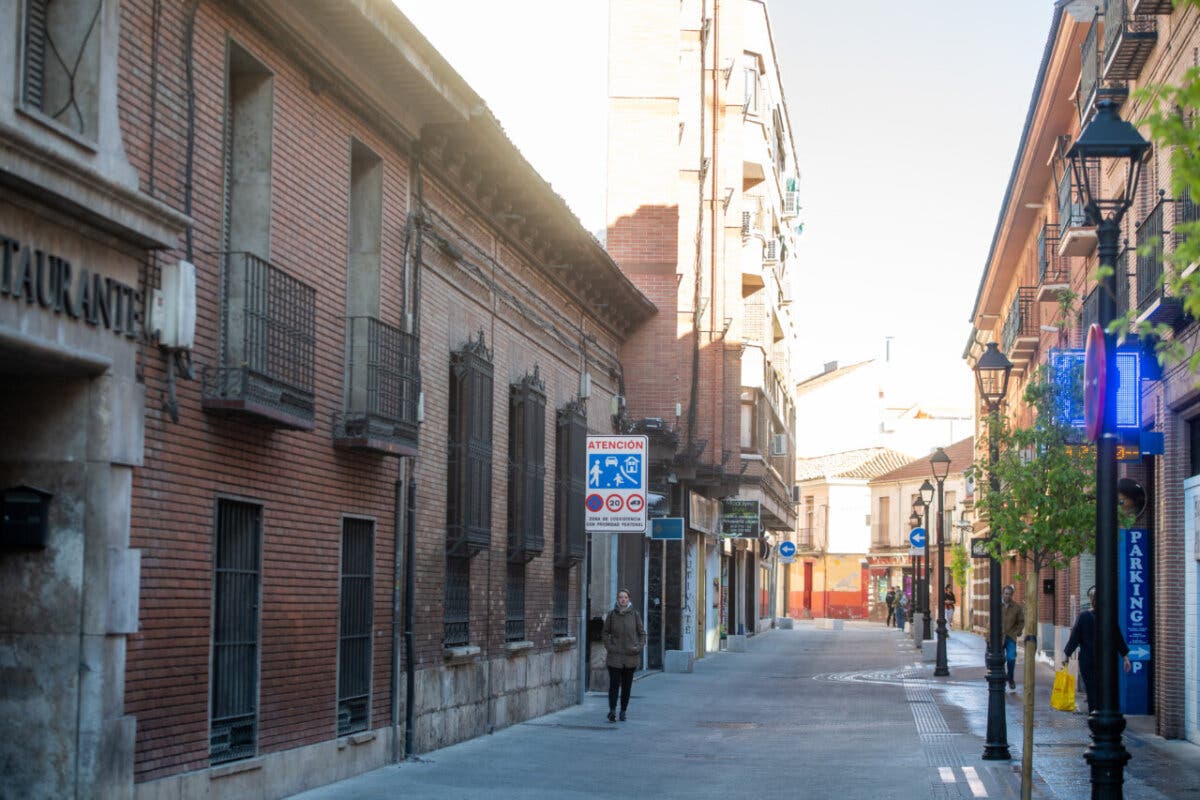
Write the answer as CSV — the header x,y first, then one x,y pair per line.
x,y
948,605
1083,638
901,610
1012,622
624,639
890,600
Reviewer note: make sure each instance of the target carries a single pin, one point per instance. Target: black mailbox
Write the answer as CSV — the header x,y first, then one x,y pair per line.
x,y
24,517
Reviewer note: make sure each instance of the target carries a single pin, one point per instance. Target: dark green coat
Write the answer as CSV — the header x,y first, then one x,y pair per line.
x,y
624,638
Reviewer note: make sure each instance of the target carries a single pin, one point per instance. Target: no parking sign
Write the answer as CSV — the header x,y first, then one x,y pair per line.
x,y
615,501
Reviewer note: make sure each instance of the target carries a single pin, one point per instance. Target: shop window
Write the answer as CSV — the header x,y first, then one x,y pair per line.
x,y
60,78
354,630
237,566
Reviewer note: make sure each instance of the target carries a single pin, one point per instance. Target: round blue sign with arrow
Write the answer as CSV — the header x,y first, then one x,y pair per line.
x,y
787,549
916,537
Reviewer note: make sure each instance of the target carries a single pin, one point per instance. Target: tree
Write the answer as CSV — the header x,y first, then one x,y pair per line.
x,y
1044,510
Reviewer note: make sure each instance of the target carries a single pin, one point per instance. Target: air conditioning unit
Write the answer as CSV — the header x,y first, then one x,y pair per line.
x,y
779,444
173,307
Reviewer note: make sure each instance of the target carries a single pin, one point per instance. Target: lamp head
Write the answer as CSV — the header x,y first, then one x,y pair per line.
x,y
991,375
1106,136
926,491
914,521
940,462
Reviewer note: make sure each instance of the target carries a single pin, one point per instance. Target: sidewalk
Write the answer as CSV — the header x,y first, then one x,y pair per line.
x,y
806,713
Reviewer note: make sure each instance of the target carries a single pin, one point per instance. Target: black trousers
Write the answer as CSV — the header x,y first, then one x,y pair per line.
x,y
1089,686
619,678
891,617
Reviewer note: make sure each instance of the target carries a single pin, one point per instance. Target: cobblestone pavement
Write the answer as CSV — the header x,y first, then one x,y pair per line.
x,y
805,713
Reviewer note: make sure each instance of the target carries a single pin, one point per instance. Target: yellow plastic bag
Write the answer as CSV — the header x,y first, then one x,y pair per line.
x,y
1063,696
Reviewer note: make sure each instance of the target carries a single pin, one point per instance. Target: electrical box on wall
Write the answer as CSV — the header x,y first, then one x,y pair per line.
x,y
173,307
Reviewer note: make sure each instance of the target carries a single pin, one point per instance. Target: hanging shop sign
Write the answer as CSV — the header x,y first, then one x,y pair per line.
x,y
1133,615
741,519
36,277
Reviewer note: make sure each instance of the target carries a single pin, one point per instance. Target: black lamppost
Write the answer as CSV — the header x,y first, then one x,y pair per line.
x,y
991,375
940,462
1107,136
926,491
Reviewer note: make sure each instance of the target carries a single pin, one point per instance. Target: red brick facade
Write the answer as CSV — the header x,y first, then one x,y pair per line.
x,y
496,282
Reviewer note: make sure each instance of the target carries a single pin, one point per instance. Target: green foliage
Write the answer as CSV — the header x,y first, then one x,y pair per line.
x,y
1044,509
958,564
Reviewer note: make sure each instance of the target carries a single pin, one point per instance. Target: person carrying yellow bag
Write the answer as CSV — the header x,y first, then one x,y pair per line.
x,y
1063,696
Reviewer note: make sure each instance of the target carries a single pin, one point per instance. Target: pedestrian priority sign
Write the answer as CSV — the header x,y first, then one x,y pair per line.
x,y
615,500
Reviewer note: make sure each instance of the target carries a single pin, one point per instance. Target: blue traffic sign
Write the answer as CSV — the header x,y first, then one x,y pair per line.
x,y
614,471
667,528
787,549
916,537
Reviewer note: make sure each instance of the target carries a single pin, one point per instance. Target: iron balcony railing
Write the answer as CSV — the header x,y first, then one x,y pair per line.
x,y
1021,321
1089,70
804,538
1185,212
1128,41
1070,210
457,611
1150,256
383,387
1090,313
1052,268
268,345
881,535
1121,278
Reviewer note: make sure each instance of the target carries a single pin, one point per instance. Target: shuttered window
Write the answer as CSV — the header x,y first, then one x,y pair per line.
x,y
570,469
237,566
354,633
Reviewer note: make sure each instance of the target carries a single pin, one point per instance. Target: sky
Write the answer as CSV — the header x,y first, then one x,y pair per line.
x,y
906,119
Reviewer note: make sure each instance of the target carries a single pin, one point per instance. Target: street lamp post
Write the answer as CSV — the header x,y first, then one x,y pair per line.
x,y
1107,136
918,510
926,491
940,462
991,374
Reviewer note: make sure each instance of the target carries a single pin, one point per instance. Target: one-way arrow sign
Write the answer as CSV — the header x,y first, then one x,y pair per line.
x,y
1139,652
917,537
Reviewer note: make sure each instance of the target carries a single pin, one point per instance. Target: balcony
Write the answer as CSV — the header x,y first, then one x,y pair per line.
x,y
268,344
383,385
1128,40
1149,7
805,539
1020,335
1091,88
1054,276
1075,236
1089,314
1153,301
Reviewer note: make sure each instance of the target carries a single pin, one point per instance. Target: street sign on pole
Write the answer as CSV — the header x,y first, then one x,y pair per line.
x,y
916,537
667,528
916,551
787,549
979,547
615,501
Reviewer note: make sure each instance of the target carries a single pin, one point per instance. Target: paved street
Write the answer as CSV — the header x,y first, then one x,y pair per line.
x,y
806,713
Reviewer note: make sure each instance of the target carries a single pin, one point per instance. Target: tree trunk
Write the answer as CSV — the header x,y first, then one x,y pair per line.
x,y
1030,678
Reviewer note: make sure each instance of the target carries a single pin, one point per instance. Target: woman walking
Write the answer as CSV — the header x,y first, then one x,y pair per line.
x,y
624,639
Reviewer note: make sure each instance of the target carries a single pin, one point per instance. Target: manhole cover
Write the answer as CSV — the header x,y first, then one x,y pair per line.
x,y
736,726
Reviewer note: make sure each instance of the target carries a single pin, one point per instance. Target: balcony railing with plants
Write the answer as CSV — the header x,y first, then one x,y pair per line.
x,y
383,387
268,345
1021,325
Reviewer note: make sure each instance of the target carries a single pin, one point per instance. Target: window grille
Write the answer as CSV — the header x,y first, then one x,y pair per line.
x,y
458,601
354,634
233,732
570,468
62,62
562,601
469,478
526,468
514,607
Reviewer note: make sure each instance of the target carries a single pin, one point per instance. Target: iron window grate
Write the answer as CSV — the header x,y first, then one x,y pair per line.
x,y
562,601
458,601
354,634
469,468
526,468
514,606
569,489
234,691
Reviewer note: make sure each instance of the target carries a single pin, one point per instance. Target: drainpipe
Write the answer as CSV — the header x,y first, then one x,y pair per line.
x,y
410,551
398,522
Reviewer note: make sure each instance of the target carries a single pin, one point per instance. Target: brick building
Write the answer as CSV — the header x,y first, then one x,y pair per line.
x,y
701,202
1043,249
402,337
